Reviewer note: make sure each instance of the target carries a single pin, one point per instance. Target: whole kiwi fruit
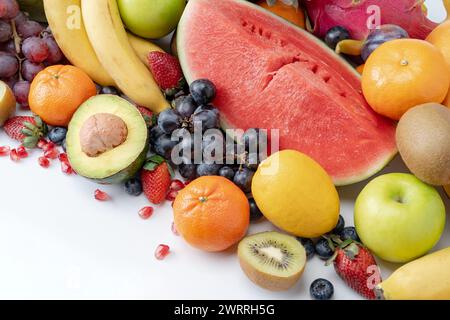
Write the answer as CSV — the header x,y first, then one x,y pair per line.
x,y
423,140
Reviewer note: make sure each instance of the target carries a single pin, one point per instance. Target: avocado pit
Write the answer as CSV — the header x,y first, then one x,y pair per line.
x,y
102,132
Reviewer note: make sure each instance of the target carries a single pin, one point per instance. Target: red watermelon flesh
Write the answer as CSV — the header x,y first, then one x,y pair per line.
x,y
272,75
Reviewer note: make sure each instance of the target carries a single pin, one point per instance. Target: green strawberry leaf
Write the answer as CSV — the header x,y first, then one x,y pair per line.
x,y
29,125
27,132
30,142
150,166
153,162
352,251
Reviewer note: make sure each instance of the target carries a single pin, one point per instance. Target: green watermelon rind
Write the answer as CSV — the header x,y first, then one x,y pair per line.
x,y
372,170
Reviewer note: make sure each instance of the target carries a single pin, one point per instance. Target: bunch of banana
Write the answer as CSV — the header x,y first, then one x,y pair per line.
x,y
92,36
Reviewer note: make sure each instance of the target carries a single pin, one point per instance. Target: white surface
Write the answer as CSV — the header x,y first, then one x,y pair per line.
x,y
57,242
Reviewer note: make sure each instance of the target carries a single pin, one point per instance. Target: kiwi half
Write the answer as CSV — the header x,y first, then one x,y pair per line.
x,y
272,260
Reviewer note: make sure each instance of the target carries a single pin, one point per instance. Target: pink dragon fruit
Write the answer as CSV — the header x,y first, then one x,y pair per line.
x,y
359,16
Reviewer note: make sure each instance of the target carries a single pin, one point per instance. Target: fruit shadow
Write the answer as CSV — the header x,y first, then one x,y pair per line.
x,y
351,192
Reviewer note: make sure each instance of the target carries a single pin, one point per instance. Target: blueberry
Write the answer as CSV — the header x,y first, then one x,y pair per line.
x,y
255,213
133,187
336,35
155,133
64,145
109,90
323,249
209,118
339,226
57,135
206,169
169,120
164,145
349,233
321,289
188,171
185,106
203,91
243,179
308,244
227,172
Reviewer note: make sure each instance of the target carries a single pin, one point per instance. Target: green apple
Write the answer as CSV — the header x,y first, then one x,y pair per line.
x,y
398,217
151,18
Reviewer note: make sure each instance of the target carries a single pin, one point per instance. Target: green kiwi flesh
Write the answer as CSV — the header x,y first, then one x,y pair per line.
x,y
272,260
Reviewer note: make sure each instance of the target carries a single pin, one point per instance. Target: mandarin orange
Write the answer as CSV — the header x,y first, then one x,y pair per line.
x,y
57,92
211,213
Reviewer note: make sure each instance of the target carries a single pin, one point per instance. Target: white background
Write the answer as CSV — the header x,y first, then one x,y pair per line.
x,y
57,242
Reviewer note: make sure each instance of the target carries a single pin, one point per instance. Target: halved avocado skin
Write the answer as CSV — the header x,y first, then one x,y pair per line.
x,y
134,165
127,173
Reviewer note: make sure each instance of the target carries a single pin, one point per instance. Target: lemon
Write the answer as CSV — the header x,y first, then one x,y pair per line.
x,y
296,194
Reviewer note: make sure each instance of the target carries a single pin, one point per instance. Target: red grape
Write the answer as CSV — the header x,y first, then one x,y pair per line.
x,y
30,69
8,47
5,31
11,81
55,54
35,49
21,91
29,29
21,18
8,65
8,9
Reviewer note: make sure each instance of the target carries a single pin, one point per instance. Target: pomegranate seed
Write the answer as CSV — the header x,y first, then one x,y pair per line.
x,y
171,196
51,153
66,168
4,151
176,185
44,162
14,156
42,143
22,152
101,196
63,157
146,212
174,229
48,146
162,251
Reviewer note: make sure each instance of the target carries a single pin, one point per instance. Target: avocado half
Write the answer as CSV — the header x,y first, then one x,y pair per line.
x,y
120,163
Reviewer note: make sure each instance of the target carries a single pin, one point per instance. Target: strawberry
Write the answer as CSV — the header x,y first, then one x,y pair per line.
x,y
167,72
28,130
357,267
149,117
156,179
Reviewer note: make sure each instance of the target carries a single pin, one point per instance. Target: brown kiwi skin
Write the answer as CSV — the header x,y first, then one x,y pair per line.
x,y
423,140
269,282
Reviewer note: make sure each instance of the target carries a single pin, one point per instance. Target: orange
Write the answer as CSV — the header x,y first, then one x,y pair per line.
x,y
211,213
290,13
57,92
440,38
402,74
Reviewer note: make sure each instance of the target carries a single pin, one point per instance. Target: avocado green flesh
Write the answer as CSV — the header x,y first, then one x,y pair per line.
x,y
120,163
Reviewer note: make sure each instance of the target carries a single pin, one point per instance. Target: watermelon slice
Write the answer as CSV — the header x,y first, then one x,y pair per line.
x,y
272,75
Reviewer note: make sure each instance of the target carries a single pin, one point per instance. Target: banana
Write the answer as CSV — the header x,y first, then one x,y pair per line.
x,y
427,278
142,47
66,23
110,42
